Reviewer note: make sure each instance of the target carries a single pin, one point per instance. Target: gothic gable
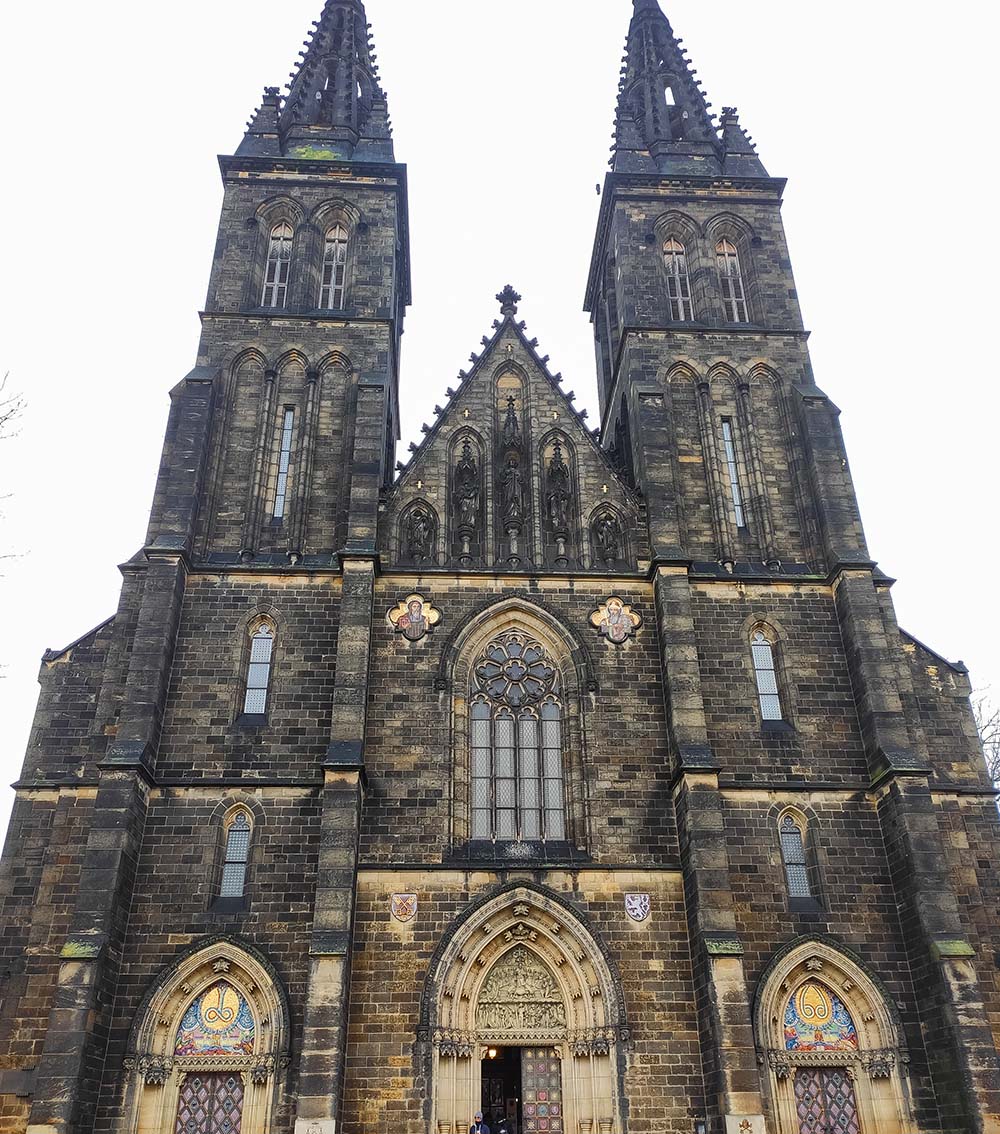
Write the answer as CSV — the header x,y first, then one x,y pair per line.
x,y
509,475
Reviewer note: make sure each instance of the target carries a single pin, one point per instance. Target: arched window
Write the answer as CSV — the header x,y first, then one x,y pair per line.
x,y
237,856
791,832
678,284
334,268
516,744
766,674
734,298
279,265
258,681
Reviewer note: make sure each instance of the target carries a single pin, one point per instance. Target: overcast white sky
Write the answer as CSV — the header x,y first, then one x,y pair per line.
x,y
115,110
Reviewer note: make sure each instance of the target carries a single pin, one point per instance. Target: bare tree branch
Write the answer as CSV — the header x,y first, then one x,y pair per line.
x,y
11,407
987,714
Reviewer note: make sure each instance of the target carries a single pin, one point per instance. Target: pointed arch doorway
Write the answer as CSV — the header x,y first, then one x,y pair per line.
x,y
525,1021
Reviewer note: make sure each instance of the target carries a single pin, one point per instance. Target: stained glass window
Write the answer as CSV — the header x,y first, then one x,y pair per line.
x,y
734,298
334,268
279,266
816,1020
259,671
516,744
678,284
219,1022
793,852
234,870
766,675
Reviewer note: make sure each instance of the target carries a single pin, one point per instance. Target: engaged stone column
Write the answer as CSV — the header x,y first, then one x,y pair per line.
x,y
321,1075
728,1053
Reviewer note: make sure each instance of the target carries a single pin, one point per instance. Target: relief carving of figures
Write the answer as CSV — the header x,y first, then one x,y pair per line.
x,y
607,537
557,492
512,492
419,534
467,490
520,994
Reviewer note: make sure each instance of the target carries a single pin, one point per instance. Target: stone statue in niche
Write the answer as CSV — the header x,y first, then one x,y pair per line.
x,y
419,534
512,492
511,433
467,490
557,491
608,537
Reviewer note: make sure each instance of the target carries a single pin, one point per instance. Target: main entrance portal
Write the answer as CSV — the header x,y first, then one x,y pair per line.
x,y
522,1090
525,1022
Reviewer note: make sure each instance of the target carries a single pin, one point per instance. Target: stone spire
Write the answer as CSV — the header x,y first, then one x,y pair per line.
x,y
663,123
335,109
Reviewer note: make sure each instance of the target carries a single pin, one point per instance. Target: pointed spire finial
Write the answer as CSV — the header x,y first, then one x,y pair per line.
x,y
335,109
508,300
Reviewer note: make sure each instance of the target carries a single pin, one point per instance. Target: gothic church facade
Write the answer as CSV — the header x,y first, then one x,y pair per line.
x,y
580,776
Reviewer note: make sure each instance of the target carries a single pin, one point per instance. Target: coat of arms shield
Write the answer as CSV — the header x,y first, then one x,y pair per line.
x,y
637,906
403,907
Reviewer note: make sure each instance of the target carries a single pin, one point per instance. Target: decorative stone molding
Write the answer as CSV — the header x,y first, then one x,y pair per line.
x,y
879,1064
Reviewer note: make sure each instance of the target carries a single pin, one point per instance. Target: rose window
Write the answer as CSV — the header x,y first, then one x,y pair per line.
x,y
514,671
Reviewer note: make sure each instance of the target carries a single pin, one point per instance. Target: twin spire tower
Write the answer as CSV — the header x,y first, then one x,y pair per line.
x,y
581,777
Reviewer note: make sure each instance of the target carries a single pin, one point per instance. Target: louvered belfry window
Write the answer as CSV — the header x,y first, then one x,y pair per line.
x,y
733,472
334,268
516,733
678,284
734,298
279,266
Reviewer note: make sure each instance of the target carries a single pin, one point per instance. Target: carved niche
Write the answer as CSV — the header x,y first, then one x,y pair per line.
x,y
520,995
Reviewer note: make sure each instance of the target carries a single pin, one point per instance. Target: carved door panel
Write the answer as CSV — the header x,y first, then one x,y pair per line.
x,y
541,1091
825,1102
210,1104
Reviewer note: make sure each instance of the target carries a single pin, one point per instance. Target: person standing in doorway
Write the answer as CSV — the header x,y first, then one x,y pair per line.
x,y
478,1126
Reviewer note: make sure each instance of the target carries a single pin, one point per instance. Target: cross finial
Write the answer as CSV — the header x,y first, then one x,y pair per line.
x,y
508,300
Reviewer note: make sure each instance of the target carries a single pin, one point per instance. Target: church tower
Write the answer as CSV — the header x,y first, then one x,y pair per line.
x,y
576,776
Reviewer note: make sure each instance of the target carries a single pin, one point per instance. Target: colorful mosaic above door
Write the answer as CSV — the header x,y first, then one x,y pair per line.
x,y
816,1020
219,1022
541,1087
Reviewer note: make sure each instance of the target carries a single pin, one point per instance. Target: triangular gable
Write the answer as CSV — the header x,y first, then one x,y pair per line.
x,y
509,474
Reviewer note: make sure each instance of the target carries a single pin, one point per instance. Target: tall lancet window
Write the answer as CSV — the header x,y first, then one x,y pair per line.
x,y
734,296
334,268
678,284
279,266
766,673
258,679
516,722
